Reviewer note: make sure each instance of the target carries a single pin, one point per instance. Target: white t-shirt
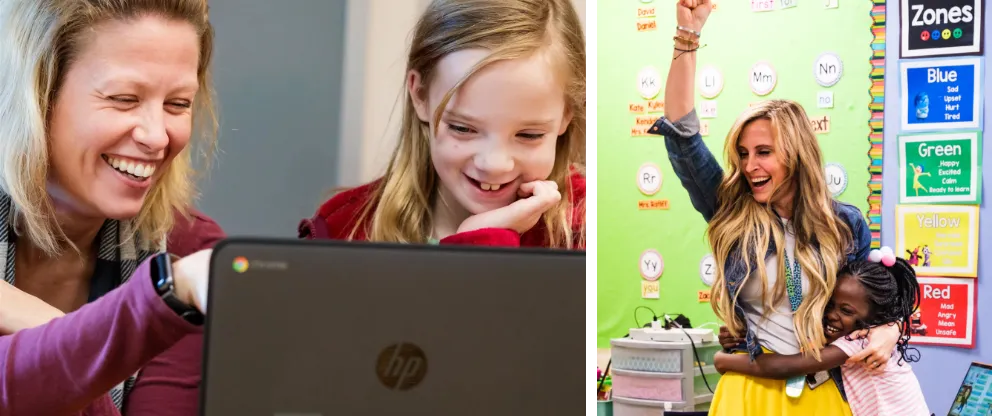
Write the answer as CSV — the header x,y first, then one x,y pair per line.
x,y
776,331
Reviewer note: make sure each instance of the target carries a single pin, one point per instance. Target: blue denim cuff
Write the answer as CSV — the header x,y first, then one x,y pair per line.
x,y
685,127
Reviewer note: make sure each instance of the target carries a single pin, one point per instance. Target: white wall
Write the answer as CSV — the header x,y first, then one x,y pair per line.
x,y
377,36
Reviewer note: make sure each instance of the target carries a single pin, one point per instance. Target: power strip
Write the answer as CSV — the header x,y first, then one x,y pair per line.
x,y
698,335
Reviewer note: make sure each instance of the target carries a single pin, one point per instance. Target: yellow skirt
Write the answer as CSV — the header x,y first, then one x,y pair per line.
x,y
740,395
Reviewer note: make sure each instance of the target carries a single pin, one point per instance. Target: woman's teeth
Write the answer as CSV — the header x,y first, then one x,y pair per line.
x,y
136,169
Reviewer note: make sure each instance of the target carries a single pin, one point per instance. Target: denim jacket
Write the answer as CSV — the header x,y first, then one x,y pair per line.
x,y
701,175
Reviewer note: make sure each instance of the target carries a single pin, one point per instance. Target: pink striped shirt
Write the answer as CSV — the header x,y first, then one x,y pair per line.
x,y
895,391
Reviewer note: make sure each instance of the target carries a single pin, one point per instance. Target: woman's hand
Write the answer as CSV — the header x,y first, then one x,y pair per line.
x,y
727,340
20,310
692,14
191,274
536,198
881,342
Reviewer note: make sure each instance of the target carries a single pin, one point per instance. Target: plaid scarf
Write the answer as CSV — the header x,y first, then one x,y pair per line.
x,y
117,259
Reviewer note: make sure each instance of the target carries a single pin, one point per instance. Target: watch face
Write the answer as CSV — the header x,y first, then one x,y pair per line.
x,y
161,271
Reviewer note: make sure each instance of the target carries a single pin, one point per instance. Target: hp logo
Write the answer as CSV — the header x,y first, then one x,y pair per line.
x,y
401,366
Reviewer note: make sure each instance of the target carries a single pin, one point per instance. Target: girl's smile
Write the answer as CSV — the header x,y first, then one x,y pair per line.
x,y
847,307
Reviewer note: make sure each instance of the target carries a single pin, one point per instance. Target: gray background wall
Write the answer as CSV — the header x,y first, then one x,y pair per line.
x,y
278,75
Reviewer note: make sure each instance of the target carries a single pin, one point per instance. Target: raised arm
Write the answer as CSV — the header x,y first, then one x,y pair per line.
x,y
692,161
681,84
777,366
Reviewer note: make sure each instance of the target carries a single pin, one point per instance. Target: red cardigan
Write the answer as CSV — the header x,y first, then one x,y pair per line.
x,y
336,218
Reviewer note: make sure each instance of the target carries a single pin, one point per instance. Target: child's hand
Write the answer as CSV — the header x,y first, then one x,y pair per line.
x,y
727,340
536,198
881,342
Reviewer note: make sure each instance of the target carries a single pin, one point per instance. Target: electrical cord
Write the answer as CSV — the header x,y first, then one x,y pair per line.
x,y
638,324
695,352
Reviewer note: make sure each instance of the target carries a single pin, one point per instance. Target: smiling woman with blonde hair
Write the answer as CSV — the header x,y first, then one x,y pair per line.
x,y
97,110
779,234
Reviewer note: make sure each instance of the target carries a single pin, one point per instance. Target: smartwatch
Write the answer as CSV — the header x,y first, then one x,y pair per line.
x,y
160,267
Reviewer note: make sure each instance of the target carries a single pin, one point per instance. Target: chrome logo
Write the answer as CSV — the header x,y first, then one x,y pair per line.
x,y
240,264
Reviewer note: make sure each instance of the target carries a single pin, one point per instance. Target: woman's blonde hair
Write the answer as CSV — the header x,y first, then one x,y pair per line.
x,y
39,42
744,226
400,207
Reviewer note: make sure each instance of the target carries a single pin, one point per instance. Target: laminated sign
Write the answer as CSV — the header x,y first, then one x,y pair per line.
x,y
941,27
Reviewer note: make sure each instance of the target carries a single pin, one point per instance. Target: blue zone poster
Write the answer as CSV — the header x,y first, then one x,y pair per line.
x,y
941,94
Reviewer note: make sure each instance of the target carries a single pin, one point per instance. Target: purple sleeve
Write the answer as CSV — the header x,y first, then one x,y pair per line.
x,y
81,356
169,385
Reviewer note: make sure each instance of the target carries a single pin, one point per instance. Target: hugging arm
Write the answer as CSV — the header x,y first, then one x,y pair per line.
x,y
777,366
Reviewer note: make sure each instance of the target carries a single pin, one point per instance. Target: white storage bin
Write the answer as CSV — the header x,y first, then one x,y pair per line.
x,y
628,354
634,407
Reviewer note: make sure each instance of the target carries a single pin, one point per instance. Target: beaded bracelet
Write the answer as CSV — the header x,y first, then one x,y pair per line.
x,y
685,40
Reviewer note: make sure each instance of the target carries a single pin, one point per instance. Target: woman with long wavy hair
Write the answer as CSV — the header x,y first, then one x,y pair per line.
x,y
779,236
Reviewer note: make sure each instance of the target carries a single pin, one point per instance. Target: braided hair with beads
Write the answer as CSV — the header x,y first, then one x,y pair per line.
x,y
893,297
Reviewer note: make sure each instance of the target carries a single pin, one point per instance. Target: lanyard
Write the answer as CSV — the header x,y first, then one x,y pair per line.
x,y
794,282
794,287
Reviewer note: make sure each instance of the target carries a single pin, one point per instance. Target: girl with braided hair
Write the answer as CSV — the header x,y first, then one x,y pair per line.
x,y
868,293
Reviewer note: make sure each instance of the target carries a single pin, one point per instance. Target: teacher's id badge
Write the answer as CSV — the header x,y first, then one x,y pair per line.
x,y
794,386
816,379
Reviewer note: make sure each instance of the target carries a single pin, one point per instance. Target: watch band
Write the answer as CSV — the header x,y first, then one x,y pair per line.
x,y
162,280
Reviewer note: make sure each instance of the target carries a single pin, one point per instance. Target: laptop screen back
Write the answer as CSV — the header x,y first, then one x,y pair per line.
x,y
303,328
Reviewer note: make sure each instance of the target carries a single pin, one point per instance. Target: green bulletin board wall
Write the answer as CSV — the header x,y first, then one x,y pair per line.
x,y
631,38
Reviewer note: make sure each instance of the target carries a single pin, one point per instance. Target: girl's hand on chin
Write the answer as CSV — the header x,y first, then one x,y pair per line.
x,y
536,198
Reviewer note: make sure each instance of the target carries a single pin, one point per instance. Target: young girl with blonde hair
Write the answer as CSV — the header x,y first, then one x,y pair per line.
x,y
780,235
493,134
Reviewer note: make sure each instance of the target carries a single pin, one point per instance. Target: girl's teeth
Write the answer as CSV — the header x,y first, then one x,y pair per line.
x,y
141,170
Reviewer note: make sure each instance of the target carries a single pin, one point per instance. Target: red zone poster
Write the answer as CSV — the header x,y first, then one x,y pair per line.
x,y
947,313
